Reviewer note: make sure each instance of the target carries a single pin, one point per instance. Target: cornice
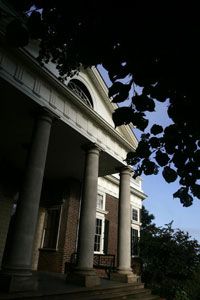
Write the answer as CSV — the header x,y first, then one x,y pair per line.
x,y
25,57
134,191
100,84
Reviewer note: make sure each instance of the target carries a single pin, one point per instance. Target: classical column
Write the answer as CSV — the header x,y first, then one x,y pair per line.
x,y
124,271
84,273
16,274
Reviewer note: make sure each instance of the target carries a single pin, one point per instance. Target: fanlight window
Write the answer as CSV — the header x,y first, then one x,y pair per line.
x,y
81,91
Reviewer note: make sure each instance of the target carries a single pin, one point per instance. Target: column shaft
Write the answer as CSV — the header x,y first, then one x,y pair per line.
x,y
18,261
124,248
88,210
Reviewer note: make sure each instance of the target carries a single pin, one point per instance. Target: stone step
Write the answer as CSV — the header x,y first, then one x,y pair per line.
x,y
54,287
144,297
110,292
139,295
113,293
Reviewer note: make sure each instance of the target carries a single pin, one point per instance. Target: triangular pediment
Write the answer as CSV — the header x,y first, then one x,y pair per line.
x,y
96,86
103,105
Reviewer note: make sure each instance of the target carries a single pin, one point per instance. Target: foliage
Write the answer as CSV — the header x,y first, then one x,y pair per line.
x,y
170,258
151,44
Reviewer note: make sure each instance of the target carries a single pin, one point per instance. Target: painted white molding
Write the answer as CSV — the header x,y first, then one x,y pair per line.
x,y
23,72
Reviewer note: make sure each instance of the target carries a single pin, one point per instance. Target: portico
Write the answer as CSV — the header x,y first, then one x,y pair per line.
x,y
39,152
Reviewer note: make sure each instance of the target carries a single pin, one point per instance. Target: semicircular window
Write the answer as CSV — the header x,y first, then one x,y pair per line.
x,y
81,91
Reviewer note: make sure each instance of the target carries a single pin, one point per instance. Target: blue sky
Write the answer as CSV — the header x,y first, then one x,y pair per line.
x,y
160,201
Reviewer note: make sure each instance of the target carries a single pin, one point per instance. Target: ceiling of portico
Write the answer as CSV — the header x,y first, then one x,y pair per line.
x,y
65,154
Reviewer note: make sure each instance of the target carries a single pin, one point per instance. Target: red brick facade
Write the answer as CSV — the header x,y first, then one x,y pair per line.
x,y
112,219
54,260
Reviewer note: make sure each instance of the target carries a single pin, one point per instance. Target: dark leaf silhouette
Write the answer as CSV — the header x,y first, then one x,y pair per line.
x,y
132,158
169,174
156,129
149,167
154,142
179,158
35,25
162,158
184,196
122,115
139,121
196,190
143,149
143,103
119,92
17,34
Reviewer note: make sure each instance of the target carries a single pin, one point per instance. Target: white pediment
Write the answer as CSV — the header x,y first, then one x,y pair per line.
x,y
96,86
103,105
98,90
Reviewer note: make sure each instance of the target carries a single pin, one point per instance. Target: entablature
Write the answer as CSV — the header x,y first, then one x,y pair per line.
x,y
21,70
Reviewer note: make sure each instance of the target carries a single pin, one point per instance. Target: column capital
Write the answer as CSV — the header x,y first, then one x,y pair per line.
x,y
92,146
125,170
46,112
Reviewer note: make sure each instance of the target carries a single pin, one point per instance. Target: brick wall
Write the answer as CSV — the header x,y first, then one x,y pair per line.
x,y
71,234
112,218
54,260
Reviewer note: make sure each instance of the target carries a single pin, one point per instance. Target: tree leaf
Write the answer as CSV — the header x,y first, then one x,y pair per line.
x,y
156,129
161,158
149,167
184,196
143,103
118,88
17,34
169,174
143,149
139,121
154,142
196,190
122,116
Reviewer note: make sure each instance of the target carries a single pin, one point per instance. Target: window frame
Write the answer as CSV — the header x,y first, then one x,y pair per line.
x,y
102,218
138,237
81,91
100,214
52,208
133,208
99,209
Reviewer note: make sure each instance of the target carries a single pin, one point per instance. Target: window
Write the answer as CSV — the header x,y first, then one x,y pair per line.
x,y
134,216
81,91
134,242
100,223
98,235
100,201
51,228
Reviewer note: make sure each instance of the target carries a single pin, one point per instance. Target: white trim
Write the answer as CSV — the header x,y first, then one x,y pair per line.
x,y
103,194
138,230
100,214
101,217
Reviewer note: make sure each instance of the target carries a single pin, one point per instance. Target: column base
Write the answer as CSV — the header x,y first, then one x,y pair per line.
x,y
17,282
125,277
84,277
